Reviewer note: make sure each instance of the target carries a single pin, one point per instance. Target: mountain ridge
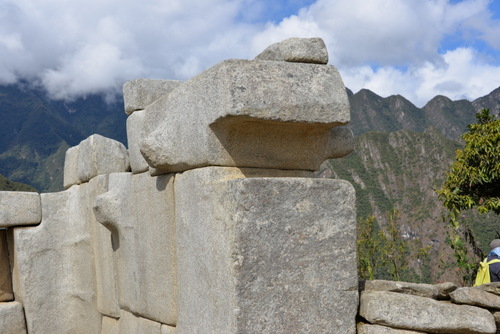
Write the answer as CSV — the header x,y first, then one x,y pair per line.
x,y
36,130
401,155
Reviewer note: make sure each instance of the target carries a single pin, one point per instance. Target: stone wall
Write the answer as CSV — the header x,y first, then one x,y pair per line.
x,y
388,307
210,222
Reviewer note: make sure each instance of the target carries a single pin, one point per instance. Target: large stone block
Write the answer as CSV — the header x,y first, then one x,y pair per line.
x,y
19,208
71,161
6,293
106,278
94,156
301,50
12,318
423,290
139,211
135,133
493,287
424,314
53,266
245,113
264,255
474,296
139,93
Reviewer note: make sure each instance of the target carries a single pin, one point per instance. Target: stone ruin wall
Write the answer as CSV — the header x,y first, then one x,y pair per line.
x,y
213,221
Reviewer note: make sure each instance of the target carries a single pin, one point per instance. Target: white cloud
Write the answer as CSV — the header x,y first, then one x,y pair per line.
x,y
382,32
94,69
460,74
393,46
390,46
78,47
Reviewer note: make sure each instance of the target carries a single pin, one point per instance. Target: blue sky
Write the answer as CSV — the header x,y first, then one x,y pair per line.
x,y
415,48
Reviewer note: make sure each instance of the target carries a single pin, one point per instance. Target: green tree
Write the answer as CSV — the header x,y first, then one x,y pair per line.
x,y
383,253
395,252
368,244
473,182
474,177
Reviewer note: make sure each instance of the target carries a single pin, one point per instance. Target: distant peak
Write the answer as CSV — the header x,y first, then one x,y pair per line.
x,y
438,100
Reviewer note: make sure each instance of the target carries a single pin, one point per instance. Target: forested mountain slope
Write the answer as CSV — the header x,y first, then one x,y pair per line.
x,y
401,155
35,132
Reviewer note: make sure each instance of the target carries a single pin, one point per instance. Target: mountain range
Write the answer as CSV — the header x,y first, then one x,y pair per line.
x,y
402,153
36,131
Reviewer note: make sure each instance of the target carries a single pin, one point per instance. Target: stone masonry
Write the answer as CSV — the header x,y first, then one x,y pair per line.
x,y
388,307
210,222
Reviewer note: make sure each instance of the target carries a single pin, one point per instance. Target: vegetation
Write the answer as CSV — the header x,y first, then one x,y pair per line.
x,y
384,254
474,178
8,185
473,182
36,131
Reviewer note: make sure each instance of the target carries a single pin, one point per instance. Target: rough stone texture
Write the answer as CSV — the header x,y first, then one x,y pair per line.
x,y
377,329
94,156
101,155
139,93
71,167
135,133
12,318
340,142
264,255
496,316
493,287
165,329
248,114
423,290
6,293
424,314
19,208
106,280
139,211
110,326
445,289
131,324
478,297
53,266
301,50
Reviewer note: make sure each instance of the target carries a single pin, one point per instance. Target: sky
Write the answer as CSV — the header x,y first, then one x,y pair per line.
x,y
415,48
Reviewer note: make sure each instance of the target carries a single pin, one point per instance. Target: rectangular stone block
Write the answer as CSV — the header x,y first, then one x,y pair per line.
x,y
139,211
262,114
18,208
101,155
423,314
139,93
6,293
71,167
135,133
265,255
106,277
12,318
53,266
94,156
